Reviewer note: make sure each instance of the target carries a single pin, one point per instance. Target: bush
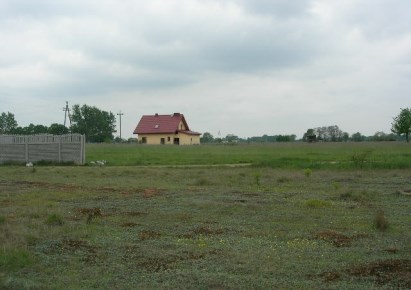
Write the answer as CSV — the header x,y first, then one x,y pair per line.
x,y
54,220
380,221
307,172
257,178
360,159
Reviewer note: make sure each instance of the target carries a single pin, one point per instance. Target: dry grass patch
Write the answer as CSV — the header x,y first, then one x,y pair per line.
x,y
335,238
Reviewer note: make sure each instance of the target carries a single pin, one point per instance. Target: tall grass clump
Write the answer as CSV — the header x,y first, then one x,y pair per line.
x,y
360,158
257,178
54,220
308,172
380,221
14,259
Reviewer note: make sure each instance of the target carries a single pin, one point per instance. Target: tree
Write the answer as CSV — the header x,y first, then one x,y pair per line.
x,y
309,136
7,123
207,138
285,138
231,139
97,125
402,123
357,137
57,129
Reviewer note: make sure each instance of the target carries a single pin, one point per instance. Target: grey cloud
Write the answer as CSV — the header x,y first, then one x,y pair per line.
x,y
277,8
94,51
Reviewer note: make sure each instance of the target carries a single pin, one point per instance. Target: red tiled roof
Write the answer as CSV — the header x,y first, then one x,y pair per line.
x,y
162,124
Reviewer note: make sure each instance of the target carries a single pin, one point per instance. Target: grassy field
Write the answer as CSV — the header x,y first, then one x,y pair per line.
x,y
386,155
270,225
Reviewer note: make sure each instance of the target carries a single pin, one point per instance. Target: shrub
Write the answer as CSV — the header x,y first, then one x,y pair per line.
x,y
257,177
54,220
380,221
307,172
360,158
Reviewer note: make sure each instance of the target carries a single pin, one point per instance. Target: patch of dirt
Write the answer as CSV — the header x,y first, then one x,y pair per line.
x,y
392,250
387,271
205,231
392,272
335,238
134,255
135,213
148,235
151,192
70,247
91,213
128,225
157,264
330,276
240,200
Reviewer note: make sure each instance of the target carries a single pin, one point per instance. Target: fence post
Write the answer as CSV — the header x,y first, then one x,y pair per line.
x,y
26,147
83,149
59,150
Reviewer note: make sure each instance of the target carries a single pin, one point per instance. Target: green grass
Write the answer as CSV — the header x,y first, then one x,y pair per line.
x,y
370,155
132,227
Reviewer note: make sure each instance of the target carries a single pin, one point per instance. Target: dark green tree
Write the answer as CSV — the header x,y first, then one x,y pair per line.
x,y
7,123
357,137
402,123
207,138
57,129
310,136
97,125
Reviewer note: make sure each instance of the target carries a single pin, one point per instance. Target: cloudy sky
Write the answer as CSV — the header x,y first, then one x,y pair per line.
x,y
246,67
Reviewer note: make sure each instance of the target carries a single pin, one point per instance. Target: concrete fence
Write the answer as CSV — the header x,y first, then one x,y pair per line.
x,y
33,148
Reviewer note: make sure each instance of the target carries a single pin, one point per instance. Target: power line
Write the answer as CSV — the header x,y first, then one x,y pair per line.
x,y
66,110
120,114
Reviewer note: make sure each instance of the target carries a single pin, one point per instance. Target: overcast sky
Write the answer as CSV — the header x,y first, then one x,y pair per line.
x,y
246,67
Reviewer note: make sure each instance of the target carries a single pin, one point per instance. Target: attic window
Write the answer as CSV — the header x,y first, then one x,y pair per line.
x,y
156,126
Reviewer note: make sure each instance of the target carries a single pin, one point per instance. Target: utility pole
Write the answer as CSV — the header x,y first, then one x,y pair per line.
x,y
66,111
120,114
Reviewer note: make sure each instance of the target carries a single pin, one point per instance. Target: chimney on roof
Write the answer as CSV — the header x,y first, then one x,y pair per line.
x,y
176,114
156,115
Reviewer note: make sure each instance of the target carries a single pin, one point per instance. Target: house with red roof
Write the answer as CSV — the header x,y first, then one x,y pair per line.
x,y
166,129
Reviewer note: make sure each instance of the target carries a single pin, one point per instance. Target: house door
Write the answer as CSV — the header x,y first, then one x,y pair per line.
x,y
176,141
162,141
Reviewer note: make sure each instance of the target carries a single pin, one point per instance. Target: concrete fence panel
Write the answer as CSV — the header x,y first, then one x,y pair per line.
x,y
61,148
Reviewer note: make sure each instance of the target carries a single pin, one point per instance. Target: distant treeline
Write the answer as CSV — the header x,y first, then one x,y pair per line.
x,y
320,134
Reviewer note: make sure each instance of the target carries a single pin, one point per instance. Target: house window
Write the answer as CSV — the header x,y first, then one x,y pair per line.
x,y
176,141
144,140
168,139
162,141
